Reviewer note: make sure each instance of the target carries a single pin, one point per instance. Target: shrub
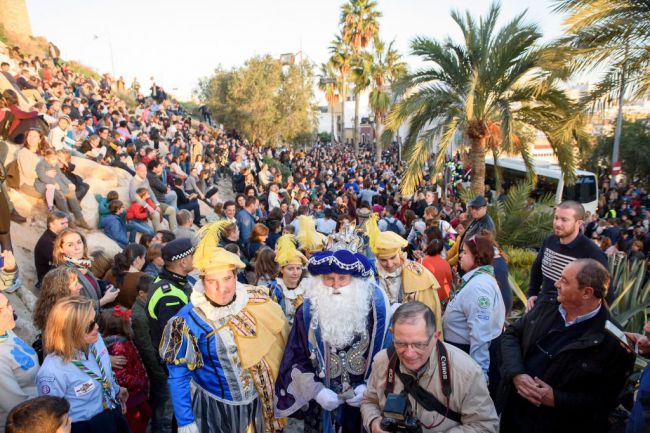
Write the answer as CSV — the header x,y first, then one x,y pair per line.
x,y
286,172
82,69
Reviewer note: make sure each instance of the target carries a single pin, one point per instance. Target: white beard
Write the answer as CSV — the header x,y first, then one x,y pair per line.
x,y
340,317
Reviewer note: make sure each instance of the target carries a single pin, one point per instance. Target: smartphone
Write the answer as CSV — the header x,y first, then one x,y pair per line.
x,y
616,332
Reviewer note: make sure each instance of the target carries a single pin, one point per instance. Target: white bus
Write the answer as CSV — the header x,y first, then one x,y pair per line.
x,y
549,180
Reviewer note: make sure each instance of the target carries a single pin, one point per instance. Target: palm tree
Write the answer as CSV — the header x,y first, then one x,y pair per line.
x,y
359,21
384,66
495,76
360,77
341,60
328,85
614,33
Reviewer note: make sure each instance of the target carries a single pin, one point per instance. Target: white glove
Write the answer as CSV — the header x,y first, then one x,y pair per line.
x,y
190,428
327,399
358,396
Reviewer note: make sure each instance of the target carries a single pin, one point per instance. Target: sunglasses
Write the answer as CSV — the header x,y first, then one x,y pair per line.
x,y
91,326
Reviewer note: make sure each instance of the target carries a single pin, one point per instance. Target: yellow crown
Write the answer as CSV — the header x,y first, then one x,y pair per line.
x,y
310,240
286,252
383,244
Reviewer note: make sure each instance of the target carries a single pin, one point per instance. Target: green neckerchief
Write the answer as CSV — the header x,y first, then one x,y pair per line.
x,y
103,380
485,269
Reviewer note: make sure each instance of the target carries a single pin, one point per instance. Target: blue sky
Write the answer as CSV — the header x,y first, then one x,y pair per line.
x,y
177,42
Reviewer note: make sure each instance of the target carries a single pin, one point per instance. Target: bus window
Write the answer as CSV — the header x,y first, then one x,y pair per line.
x,y
545,186
583,191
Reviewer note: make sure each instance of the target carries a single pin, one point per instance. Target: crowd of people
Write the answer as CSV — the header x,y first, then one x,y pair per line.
x,y
318,293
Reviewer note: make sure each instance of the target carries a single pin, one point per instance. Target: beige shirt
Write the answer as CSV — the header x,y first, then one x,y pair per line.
x,y
469,396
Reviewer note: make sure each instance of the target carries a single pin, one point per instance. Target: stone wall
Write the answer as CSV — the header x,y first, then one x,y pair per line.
x,y
15,18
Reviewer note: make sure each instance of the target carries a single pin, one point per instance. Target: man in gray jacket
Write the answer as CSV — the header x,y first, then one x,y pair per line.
x,y
138,181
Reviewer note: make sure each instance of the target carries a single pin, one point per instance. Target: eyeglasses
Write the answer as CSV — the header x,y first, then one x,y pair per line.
x,y
420,346
91,326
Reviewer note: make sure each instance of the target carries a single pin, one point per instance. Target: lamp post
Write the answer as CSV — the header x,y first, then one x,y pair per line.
x,y
372,119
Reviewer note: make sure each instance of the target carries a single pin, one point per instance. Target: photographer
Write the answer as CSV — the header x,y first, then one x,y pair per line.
x,y
435,401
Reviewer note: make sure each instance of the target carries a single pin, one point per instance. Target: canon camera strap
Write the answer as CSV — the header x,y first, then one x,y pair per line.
x,y
421,395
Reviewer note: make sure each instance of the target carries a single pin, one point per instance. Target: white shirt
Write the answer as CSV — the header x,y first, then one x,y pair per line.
x,y
325,226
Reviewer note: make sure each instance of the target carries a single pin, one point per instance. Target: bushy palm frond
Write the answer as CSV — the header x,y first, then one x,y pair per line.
x,y
329,83
518,225
496,76
632,293
341,55
613,32
360,23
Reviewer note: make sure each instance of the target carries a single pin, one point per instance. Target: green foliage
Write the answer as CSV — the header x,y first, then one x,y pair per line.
x,y
3,35
520,260
490,81
632,303
325,137
128,99
192,108
84,70
263,100
286,172
634,152
516,224
360,23
614,33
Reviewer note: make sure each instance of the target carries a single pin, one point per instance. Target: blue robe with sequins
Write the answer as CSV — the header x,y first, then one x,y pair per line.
x,y
305,367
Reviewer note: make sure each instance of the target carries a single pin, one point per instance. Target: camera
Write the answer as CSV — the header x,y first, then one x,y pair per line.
x,y
397,416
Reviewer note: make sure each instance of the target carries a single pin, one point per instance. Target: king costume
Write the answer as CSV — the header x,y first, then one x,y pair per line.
x,y
223,359
289,298
410,281
333,375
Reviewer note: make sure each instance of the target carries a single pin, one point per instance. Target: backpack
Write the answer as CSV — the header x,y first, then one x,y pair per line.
x,y
392,226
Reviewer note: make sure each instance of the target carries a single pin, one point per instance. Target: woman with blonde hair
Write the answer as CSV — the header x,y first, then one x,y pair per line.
x,y
78,367
71,250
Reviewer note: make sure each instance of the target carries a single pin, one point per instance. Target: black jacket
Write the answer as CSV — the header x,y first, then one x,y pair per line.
x,y
170,293
157,186
43,254
553,257
587,375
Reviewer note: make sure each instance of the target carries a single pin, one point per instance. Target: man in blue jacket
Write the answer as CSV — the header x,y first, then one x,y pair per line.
x,y
246,219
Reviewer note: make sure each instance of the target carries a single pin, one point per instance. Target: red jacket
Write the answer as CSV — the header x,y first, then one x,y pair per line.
x,y
138,212
133,375
20,115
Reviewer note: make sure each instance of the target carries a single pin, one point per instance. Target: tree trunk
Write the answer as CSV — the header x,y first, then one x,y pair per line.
x,y
379,131
343,94
333,130
357,123
477,161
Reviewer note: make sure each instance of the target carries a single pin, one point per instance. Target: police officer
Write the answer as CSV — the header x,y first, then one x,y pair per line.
x,y
172,288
